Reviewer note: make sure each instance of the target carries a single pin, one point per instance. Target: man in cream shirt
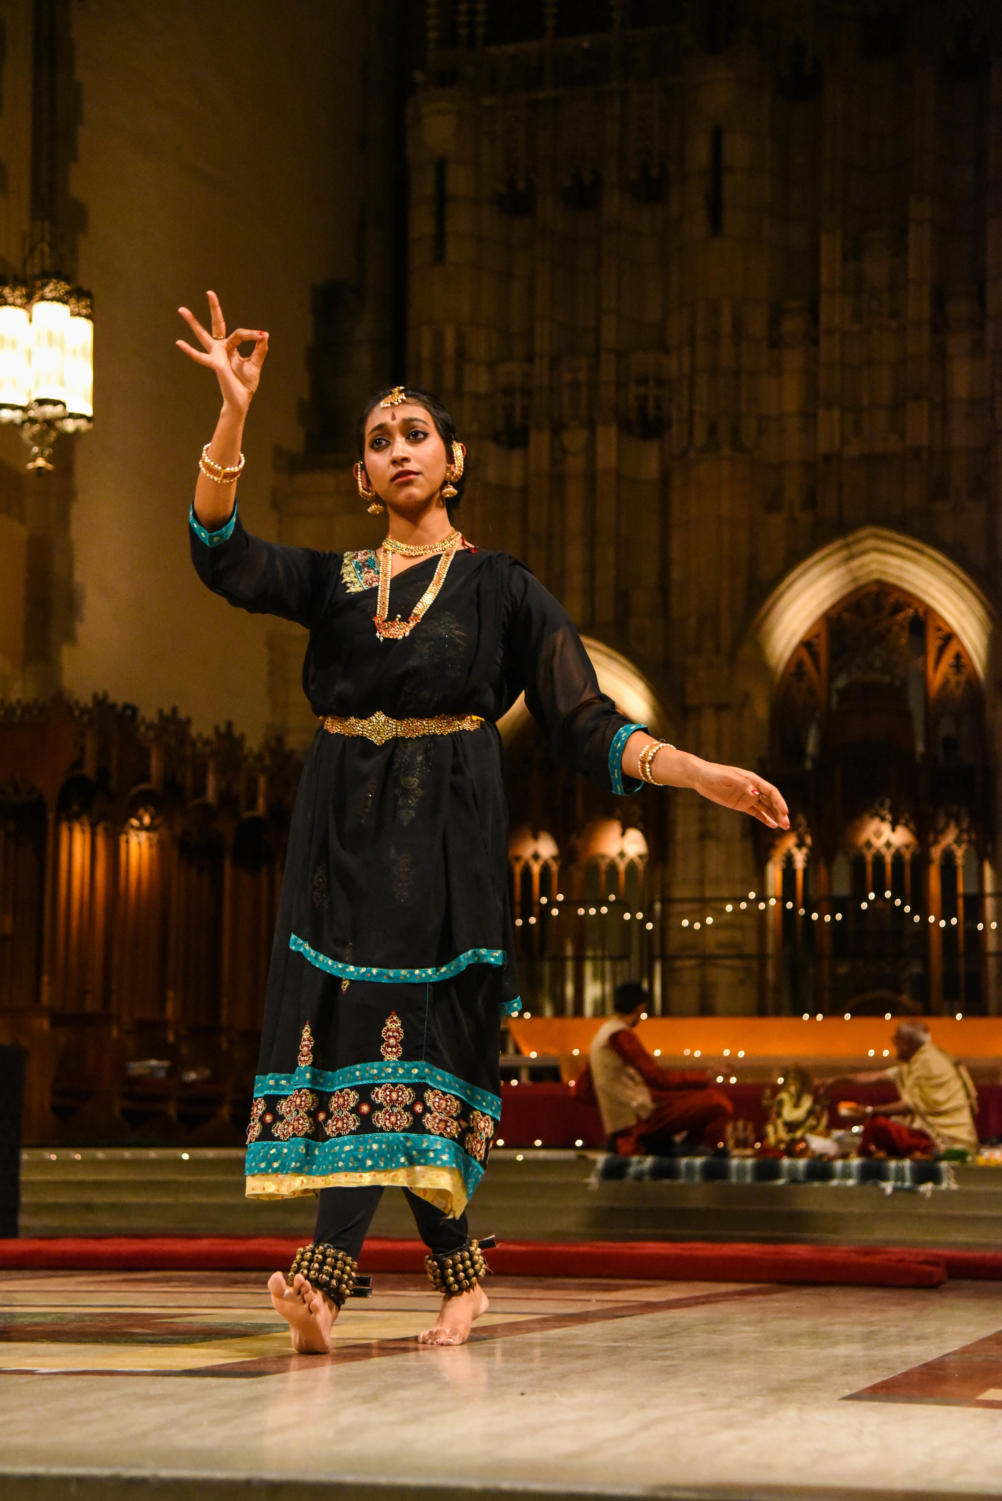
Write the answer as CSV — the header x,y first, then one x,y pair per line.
x,y
647,1109
936,1100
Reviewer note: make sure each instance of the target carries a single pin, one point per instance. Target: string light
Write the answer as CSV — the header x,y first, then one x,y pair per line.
x,y
815,915
552,904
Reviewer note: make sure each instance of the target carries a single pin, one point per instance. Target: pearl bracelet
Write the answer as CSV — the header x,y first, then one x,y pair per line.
x,y
646,759
220,474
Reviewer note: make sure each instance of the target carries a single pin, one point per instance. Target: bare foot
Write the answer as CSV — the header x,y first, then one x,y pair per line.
x,y
456,1315
309,1314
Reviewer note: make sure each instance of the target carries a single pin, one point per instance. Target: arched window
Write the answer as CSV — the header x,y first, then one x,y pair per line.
x,y
879,742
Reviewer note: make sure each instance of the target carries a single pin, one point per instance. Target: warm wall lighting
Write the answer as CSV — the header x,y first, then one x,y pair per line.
x,y
46,362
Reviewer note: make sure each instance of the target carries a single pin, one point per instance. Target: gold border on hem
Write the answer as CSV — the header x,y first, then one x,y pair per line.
x,y
441,1186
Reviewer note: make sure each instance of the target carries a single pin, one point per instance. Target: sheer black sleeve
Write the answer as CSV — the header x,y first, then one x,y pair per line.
x,y
263,577
545,656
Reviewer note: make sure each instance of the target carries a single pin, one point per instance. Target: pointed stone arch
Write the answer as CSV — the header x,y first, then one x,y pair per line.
x,y
870,555
949,909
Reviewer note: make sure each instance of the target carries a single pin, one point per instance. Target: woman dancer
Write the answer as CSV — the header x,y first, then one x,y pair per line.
x,y
392,963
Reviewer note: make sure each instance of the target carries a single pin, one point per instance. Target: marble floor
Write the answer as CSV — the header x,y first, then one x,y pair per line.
x,y
115,1386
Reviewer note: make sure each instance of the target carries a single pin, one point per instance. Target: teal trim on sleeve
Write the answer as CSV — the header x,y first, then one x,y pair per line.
x,y
512,1008
216,538
621,784
394,976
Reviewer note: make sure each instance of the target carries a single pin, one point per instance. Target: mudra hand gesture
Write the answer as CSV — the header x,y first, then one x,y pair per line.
x,y
733,787
237,374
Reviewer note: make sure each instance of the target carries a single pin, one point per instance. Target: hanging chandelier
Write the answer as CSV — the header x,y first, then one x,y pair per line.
x,y
46,362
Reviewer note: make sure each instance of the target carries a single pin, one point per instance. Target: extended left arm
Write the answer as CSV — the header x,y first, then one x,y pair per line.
x,y
730,786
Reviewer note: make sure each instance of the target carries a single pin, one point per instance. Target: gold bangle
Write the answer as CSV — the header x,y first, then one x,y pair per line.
x,y
220,474
646,758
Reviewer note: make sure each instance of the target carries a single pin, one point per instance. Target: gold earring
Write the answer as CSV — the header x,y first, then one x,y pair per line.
x,y
376,507
453,472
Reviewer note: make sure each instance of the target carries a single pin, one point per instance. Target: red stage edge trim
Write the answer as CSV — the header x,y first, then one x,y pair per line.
x,y
889,1266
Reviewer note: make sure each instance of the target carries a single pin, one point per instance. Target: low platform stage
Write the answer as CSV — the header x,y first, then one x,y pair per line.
x,y
538,1195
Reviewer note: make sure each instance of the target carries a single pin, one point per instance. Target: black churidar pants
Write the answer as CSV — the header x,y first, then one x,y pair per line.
x,y
345,1214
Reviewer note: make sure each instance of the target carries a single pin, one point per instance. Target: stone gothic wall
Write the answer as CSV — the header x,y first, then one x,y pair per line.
x,y
705,297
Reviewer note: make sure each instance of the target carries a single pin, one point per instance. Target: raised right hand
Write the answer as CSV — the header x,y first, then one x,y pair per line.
x,y
238,375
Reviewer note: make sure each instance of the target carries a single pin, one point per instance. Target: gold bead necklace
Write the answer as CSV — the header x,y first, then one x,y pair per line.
x,y
420,549
394,630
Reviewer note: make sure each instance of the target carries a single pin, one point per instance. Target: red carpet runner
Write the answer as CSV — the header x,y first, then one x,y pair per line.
x,y
693,1261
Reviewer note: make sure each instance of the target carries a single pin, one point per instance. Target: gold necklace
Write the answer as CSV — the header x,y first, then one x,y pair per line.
x,y
420,549
395,630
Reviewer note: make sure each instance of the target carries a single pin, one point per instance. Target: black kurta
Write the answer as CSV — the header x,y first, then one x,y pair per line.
x,y
393,955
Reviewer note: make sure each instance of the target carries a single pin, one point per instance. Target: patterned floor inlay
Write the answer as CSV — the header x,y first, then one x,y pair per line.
x,y
101,1336
970,1376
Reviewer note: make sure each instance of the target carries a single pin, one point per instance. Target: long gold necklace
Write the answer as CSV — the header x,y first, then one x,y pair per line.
x,y
394,630
421,549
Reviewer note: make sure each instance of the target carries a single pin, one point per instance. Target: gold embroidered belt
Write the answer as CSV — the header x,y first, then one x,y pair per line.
x,y
379,727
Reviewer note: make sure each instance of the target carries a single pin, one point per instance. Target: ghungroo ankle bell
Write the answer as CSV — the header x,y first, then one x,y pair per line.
x,y
453,1272
334,1272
